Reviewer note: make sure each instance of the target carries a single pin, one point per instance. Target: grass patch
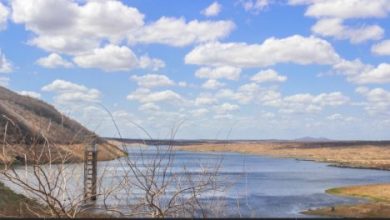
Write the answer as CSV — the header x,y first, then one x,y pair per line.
x,y
15,205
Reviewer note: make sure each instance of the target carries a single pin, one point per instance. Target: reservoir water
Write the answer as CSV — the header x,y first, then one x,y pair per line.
x,y
258,186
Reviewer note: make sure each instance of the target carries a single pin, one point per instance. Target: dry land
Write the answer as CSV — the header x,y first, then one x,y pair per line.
x,y
379,195
348,154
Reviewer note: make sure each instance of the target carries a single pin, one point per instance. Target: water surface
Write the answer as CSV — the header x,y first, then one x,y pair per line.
x,y
259,186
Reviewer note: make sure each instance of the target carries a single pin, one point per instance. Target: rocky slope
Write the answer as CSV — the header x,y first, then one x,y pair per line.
x,y
30,125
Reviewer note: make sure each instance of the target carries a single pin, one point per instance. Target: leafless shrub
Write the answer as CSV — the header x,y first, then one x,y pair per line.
x,y
147,184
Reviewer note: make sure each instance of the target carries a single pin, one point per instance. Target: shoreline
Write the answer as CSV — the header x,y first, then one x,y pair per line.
x,y
377,206
373,207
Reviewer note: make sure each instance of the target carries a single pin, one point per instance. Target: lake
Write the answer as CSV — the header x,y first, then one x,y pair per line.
x,y
259,186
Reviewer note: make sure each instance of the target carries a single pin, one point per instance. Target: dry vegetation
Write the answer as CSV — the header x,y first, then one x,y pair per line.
x,y
26,122
38,145
379,194
358,156
349,154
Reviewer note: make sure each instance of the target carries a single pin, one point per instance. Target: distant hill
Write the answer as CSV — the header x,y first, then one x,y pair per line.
x,y
26,121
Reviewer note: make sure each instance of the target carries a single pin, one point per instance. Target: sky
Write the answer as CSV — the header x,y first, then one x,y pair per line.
x,y
190,69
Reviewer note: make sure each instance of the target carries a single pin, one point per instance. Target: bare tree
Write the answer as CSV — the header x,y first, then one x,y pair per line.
x,y
160,187
147,183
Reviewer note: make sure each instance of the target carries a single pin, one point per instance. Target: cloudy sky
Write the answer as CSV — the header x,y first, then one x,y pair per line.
x,y
239,69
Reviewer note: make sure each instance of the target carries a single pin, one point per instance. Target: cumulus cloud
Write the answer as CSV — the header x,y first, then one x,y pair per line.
x,y
212,10
70,93
378,100
4,12
30,94
255,5
199,112
244,93
268,75
334,27
71,27
177,32
380,74
145,62
143,95
360,73
346,9
382,48
205,99
81,29
53,61
351,68
332,13
226,108
294,49
149,107
307,103
212,84
222,72
109,58
5,65
340,118
152,80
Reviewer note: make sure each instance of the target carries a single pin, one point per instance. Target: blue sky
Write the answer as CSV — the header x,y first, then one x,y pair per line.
x,y
241,69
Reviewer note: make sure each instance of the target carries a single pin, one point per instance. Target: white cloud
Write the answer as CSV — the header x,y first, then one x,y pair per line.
x,y
378,100
380,74
53,61
351,68
212,10
212,84
4,12
226,108
268,75
334,27
340,118
244,94
205,99
222,72
5,65
152,80
72,27
360,73
177,32
183,84
294,49
223,117
145,62
65,26
146,96
255,5
149,107
64,44
31,94
346,9
307,103
68,92
4,81
199,112
109,58
382,48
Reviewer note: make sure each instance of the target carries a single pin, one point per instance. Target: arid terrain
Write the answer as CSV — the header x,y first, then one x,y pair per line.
x,y
33,131
375,155
379,195
28,125
372,155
